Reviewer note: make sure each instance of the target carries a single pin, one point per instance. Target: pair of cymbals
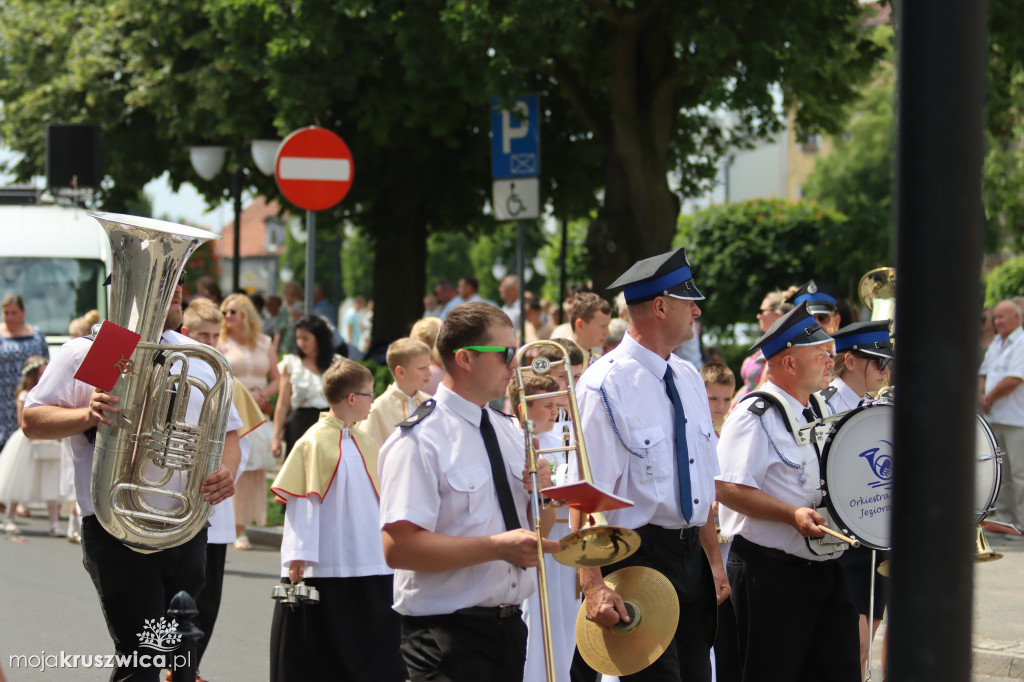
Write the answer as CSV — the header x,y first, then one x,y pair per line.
x,y
627,648
597,546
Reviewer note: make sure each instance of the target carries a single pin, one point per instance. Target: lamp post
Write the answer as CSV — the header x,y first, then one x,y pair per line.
x,y
208,160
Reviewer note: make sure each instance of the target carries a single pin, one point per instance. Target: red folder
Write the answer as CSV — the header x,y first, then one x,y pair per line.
x,y
109,356
586,497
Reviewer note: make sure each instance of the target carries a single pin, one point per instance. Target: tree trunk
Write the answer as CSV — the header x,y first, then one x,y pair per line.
x,y
640,210
399,272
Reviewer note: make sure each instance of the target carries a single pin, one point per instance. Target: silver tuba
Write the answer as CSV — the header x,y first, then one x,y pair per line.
x,y
151,440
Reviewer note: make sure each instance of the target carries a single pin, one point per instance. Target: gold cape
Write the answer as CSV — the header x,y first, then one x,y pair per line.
x,y
313,462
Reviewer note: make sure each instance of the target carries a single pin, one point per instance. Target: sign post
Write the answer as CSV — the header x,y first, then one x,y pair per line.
x,y
314,171
515,169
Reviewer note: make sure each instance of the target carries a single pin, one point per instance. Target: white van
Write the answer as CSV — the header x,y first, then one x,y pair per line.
x,y
56,258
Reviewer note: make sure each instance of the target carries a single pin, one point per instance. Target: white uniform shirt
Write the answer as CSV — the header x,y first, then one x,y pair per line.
x,y
59,388
747,457
222,516
339,536
629,381
436,475
1005,358
845,398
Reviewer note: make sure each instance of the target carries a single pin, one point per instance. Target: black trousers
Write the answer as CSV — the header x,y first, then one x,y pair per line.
x,y
134,588
208,601
683,562
350,636
795,618
298,422
464,648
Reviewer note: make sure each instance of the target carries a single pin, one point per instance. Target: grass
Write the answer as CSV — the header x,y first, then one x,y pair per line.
x,y
275,512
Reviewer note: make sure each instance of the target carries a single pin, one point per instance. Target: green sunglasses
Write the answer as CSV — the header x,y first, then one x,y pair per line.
x,y
509,351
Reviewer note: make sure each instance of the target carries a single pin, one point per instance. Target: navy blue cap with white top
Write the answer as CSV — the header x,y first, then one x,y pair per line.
x,y
820,297
871,338
795,328
667,274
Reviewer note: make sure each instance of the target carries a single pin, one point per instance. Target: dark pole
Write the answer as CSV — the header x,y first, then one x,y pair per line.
x,y
236,263
942,83
561,275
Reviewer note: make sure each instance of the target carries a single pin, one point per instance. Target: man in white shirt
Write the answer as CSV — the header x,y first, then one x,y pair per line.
x,y
1002,400
645,415
795,615
509,292
454,512
133,587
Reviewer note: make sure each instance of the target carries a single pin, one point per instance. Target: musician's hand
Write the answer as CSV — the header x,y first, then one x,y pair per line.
x,y
218,486
519,547
722,587
543,473
99,403
806,521
296,569
604,606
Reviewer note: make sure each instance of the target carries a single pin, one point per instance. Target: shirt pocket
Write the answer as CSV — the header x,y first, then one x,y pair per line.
x,y
470,488
652,458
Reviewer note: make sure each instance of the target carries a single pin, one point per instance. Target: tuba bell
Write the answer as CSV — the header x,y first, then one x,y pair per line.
x,y
151,440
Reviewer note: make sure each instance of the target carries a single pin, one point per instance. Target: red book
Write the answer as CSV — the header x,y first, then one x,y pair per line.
x,y
586,497
997,527
109,357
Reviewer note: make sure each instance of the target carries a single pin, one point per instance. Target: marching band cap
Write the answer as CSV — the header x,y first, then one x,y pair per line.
x,y
665,275
871,338
820,297
795,328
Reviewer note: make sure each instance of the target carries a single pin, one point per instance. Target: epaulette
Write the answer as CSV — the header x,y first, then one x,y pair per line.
x,y
425,408
760,401
827,393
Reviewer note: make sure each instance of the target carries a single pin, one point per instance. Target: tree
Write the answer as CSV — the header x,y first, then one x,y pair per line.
x,y
1005,282
645,81
741,251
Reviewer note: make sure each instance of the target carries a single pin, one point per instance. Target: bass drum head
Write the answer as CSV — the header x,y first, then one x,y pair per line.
x,y
857,466
988,470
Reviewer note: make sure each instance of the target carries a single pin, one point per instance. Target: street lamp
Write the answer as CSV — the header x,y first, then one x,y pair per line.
x,y
208,160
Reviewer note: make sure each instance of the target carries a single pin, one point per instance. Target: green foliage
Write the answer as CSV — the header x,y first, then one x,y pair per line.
x,y
357,260
381,376
577,260
741,251
1005,281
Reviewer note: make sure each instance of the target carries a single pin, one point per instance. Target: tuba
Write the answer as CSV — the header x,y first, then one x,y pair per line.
x,y
877,289
151,440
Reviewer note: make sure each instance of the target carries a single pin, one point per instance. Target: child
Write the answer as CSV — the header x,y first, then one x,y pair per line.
x,y
409,362
721,384
201,322
332,540
30,469
561,579
558,373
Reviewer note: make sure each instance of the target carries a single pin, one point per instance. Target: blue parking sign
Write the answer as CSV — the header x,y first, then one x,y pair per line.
x,y
515,138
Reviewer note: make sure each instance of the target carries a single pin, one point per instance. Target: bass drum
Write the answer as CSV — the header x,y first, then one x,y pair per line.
x,y
988,472
856,465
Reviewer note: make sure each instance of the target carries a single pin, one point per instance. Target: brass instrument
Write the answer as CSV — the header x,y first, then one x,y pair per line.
x,y
595,543
877,289
151,440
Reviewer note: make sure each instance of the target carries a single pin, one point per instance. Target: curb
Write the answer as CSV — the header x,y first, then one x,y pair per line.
x,y
269,536
999,659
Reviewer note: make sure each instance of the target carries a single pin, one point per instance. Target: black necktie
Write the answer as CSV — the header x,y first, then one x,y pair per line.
x,y
682,451
508,507
809,415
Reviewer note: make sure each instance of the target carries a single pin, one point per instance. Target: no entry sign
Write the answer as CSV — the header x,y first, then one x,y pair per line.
x,y
314,168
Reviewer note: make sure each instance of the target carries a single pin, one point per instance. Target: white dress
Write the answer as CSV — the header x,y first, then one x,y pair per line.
x,y
30,470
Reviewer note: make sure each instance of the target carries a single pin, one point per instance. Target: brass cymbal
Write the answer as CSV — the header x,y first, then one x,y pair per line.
x,y
597,546
625,649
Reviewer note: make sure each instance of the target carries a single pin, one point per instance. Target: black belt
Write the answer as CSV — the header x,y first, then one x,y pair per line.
x,y
498,612
654,533
755,551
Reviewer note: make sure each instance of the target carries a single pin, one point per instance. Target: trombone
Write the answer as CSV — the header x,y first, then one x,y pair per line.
x,y
595,543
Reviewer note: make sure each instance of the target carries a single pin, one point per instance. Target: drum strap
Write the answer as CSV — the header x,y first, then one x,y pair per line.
x,y
802,435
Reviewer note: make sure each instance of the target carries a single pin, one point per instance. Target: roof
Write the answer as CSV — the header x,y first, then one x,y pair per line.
x,y
253,231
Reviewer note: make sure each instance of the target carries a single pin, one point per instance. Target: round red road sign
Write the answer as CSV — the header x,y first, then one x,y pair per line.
x,y
314,168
